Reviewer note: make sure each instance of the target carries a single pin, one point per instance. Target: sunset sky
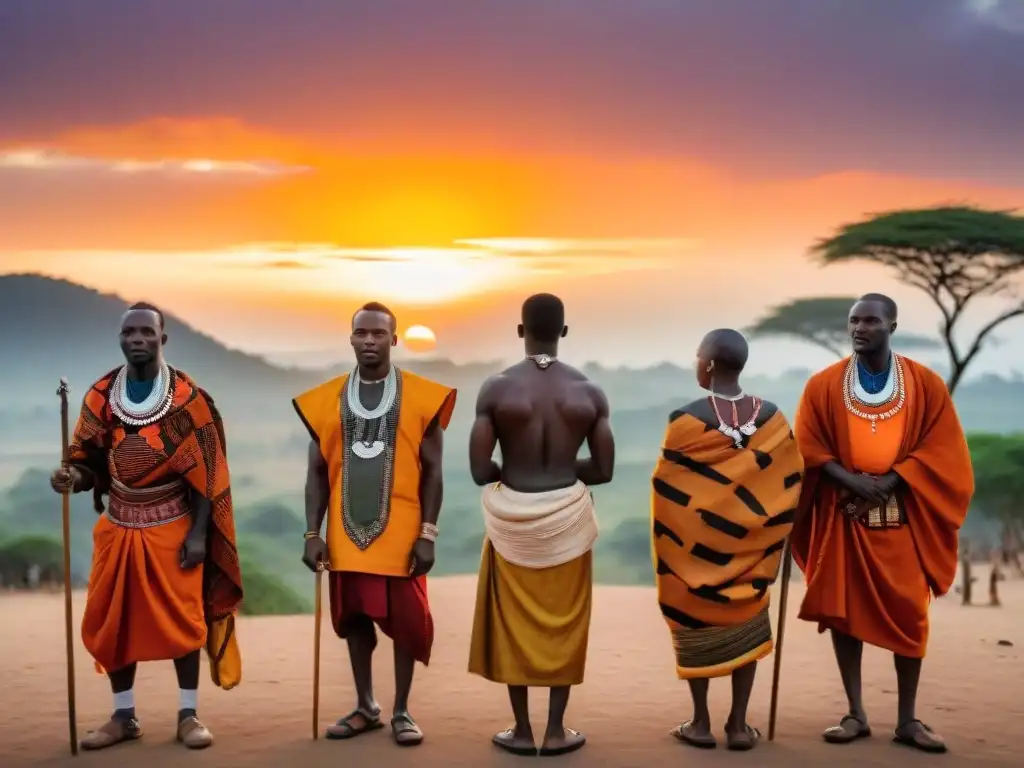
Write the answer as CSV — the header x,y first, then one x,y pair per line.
x,y
260,168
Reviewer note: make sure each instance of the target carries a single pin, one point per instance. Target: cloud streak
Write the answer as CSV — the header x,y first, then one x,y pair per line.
x,y
46,160
512,256
534,253
1007,15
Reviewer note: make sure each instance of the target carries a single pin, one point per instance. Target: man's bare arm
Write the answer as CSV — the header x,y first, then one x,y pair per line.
x,y
201,511
318,488
483,439
431,477
599,468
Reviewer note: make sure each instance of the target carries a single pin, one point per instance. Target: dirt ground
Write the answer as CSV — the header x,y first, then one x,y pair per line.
x,y
970,692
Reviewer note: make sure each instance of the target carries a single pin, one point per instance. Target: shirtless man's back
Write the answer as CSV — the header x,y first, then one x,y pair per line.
x,y
532,617
540,420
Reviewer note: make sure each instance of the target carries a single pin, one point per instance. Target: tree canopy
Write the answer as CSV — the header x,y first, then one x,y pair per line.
x,y
822,321
953,254
999,476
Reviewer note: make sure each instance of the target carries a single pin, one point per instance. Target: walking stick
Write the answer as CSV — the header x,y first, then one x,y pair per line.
x,y
787,571
62,393
318,610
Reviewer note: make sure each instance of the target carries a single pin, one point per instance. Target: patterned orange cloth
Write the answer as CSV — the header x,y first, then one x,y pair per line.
x,y
141,604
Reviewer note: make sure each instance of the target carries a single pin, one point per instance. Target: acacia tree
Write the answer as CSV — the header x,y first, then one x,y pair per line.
x,y
953,254
822,321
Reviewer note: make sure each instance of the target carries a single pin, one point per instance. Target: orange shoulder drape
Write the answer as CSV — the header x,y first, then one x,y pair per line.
x,y
857,579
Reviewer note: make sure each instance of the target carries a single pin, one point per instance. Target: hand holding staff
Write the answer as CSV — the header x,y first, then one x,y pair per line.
x,y
316,648
787,572
62,393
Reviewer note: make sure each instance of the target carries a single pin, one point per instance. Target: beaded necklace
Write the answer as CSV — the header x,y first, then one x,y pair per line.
x,y
734,430
852,398
153,408
357,430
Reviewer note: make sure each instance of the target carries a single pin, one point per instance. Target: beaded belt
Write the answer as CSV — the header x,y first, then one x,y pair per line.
x,y
147,507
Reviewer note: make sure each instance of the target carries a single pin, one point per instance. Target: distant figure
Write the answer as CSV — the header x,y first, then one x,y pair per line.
x,y
33,576
724,493
165,579
532,618
375,473
887,487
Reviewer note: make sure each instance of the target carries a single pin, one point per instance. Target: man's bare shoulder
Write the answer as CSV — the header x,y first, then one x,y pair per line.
x,y
585,385
492,385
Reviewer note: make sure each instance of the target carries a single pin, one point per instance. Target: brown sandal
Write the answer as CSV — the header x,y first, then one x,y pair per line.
x,y
193,734
687,735
916,734
405,732
346,729
744,740
114,731
840,734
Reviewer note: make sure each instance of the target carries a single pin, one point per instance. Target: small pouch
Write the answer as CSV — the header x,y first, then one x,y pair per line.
x,y
872,515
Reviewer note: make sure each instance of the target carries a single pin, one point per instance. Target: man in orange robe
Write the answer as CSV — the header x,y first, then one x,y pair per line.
x,y
165,579
887,486
375,473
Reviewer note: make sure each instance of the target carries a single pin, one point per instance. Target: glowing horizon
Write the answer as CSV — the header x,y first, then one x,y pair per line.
x,y
663,167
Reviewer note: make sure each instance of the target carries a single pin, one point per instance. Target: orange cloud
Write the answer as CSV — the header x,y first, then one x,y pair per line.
x,y
361,198
182,138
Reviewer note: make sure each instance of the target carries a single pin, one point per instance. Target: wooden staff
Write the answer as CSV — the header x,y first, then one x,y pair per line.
x,y
62,393
318,611
787,571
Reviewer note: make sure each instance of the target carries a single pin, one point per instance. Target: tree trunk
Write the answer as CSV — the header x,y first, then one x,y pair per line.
x,y
965,590
1011,548
993,583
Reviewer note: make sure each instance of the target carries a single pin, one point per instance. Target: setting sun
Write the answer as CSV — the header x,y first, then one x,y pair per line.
x,y
419,338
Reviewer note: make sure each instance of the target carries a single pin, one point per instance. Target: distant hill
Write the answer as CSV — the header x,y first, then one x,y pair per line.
x,y
65,328
54,327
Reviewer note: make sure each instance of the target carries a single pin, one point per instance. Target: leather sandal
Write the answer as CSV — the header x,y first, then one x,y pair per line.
x,y
193,734
114,731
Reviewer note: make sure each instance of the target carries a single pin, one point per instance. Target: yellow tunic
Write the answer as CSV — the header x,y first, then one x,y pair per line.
x,y
422,402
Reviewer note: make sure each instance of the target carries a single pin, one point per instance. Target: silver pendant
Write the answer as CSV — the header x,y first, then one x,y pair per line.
x,y
731,433
541,361
748,429
368,450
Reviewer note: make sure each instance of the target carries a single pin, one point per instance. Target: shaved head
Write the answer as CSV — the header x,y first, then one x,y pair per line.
x,y
726,348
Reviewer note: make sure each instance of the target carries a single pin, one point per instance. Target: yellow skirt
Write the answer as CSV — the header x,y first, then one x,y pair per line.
x,y
531,626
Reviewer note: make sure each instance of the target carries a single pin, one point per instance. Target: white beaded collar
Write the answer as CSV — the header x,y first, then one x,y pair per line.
x,y
881,397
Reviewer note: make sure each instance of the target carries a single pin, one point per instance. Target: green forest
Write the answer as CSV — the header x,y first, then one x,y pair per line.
x,y
270,540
